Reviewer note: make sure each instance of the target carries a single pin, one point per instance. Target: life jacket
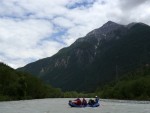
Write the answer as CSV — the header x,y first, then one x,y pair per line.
x,y
77,102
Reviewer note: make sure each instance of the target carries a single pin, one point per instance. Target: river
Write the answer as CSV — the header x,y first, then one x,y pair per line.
x,y
60,105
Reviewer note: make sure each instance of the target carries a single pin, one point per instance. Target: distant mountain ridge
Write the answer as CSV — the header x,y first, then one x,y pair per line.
x,y
98,58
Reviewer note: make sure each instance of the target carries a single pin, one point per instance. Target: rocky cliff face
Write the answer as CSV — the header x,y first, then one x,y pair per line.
x,y
92,60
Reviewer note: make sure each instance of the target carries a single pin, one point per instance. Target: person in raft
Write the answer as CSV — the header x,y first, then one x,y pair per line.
x,y
84,102
77,101
96,99
92,102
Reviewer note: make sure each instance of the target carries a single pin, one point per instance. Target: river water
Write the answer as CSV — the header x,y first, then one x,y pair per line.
x,y
61,106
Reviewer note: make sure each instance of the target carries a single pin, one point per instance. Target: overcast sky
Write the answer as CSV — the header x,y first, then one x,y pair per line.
x,y
35,29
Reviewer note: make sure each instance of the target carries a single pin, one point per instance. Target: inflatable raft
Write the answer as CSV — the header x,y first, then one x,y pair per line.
x,y
75,105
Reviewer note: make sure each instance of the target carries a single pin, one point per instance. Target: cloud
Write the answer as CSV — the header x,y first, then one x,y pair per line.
x,y
134,11
131,4
26,39
80,4
63,22
35,29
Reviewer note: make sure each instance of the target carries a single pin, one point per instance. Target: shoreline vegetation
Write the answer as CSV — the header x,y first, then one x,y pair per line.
x,y
134,85
16,85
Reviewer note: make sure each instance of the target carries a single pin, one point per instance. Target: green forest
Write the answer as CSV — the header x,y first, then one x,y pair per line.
x,y
15,85
134,85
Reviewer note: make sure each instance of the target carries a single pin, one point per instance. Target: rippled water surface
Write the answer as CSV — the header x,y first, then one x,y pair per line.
x,y
61,106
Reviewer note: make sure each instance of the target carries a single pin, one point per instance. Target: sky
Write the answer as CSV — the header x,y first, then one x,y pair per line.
x,y
34,29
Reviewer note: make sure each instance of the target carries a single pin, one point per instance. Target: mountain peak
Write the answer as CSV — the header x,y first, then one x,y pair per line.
x,y
135,23
106,28
110,23
131,25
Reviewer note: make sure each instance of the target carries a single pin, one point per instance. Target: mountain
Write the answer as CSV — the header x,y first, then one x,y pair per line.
x,y
100,57
16,85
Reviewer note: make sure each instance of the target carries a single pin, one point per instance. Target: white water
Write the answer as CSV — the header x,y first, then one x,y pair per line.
x,y
61,106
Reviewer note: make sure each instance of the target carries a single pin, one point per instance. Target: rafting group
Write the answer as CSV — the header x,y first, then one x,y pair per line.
x,y
83,103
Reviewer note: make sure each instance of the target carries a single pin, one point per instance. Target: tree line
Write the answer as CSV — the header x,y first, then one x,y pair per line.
x,y
16,85
133,85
